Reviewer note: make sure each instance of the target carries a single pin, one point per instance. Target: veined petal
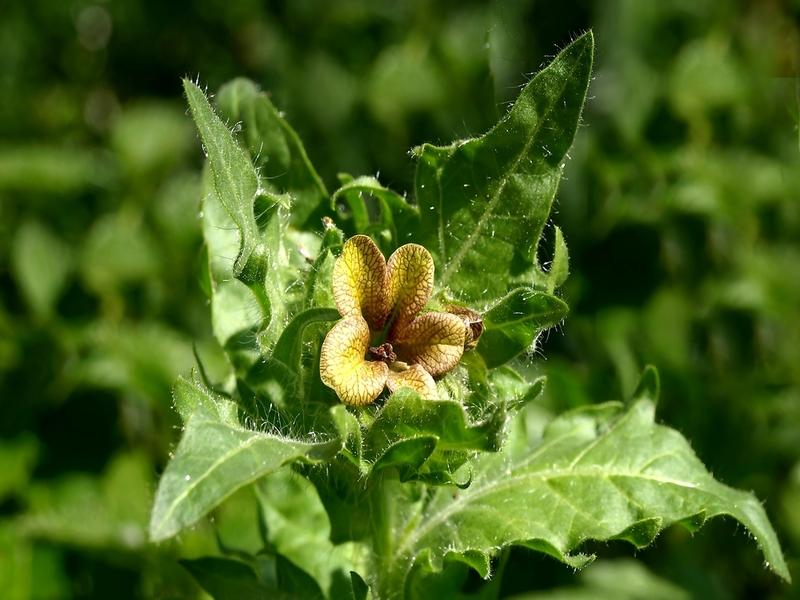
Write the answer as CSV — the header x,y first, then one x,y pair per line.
x,y
342,365
359,281
410,283
434,340
416,378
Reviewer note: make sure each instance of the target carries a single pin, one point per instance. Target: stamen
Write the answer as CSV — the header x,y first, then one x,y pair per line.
x,y
384,352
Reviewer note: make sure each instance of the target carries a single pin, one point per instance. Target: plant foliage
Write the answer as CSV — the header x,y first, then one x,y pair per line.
x,y
410,485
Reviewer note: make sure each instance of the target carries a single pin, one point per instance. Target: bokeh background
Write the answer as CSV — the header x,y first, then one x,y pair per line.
x,y
681,207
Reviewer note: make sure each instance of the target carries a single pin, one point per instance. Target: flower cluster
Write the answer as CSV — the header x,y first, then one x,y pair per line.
x,y
383,339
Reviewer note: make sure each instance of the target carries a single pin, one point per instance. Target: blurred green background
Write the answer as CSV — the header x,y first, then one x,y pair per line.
x,y
681,207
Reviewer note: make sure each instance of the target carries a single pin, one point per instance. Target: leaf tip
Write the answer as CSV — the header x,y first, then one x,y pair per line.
x,y
649,386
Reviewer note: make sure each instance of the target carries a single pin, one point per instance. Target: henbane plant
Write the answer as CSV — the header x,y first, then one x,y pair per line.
x,y
392,395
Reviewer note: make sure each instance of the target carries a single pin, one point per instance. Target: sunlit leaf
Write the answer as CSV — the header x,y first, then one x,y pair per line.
x,y
275,147
487,199
598,473
215,457
512,324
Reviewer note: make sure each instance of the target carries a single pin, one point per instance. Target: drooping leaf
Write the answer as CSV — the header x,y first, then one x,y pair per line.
x,y
275,147
512,324
216,456
486,200
598,473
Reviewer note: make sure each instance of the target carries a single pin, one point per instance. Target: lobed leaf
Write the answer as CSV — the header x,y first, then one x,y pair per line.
x,y
599,473
486,199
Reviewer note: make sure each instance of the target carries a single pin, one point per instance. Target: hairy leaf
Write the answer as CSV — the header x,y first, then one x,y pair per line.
x,y
559,268
486,199
216,456
410,431
249,271
377,211
276,149
512,324
235,183
598,473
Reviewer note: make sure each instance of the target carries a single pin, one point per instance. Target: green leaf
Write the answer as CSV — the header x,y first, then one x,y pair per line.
x,y
235,183
598,473
277,150
512,324
102,512
486,199
236,313
649,386
227,579
359,586
216,456
41,264
59,170
298,526
559,268
410,432
266,577
17,460
377,211
319,281
282,376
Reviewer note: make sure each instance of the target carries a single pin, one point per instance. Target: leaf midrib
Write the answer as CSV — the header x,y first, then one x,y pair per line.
x,y
540,476
257,436
471,240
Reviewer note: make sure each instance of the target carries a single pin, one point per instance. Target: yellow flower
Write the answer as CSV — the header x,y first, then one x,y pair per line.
x,y
382,340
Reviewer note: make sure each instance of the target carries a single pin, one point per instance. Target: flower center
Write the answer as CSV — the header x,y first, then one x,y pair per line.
x,y
384,352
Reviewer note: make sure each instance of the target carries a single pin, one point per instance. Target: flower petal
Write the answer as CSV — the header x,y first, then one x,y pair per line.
x,y
359,281
434,340
416,378
410,283
342,365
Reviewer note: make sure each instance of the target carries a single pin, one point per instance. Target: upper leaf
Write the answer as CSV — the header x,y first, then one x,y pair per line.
x,y
486,199
235,180
275,147
598,473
